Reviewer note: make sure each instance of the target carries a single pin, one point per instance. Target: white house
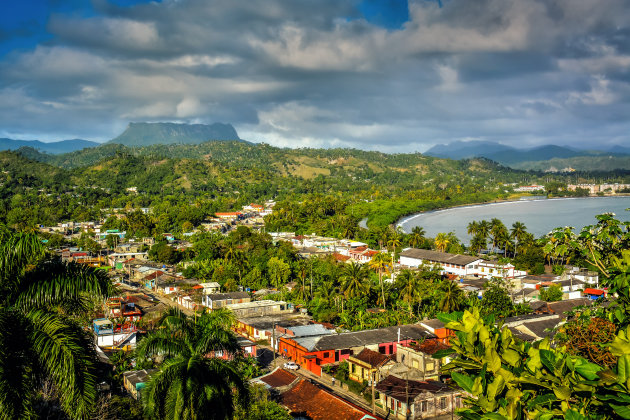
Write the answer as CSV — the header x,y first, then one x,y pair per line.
x,y
460,265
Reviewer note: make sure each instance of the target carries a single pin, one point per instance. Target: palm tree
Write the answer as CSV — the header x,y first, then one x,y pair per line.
x,y
473,228
483,230
417,236
497,228
193,383
408,285
379,262
452,296
354,280
441,241
517,233
40,339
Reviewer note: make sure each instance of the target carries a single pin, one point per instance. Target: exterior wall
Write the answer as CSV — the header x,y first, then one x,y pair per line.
x,y
417,360
427,405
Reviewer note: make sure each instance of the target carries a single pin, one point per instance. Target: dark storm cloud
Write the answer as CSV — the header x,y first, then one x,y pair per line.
x,y
303,73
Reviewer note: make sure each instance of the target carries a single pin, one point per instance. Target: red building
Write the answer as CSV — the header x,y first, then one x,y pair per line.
x,y
315,351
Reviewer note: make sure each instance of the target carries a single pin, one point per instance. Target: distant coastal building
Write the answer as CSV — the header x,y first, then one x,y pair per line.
x,y
529,188
597,188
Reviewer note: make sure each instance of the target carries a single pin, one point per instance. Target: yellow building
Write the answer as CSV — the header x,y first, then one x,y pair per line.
x,y
366,365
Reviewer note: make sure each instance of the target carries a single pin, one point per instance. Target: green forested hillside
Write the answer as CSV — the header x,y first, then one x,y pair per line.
x,y
187,183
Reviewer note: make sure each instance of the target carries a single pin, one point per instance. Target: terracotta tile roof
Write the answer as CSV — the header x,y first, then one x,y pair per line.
x,y
310,401
341,257
278,378
431,346
372,358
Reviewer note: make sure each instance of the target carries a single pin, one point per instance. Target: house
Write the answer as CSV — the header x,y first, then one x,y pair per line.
x,y
106,336
461,265
366,365
260,308
362,254
261,327
299,331
220,300
124,307
307,400
594,294
438,329
210,288
419,356
229,216
458,265
135,380
413,399
314,351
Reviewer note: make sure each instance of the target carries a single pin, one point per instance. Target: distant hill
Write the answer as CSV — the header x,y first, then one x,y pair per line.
x,y
544,158
56,147
147,134
467,149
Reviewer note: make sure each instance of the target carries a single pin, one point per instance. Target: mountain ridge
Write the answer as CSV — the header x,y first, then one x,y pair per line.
x,y
55,147
138,134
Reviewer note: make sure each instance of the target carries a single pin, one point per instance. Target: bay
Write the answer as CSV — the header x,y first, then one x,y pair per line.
x,y
539,216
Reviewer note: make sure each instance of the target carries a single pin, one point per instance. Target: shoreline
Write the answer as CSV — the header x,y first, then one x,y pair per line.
x,y
409,217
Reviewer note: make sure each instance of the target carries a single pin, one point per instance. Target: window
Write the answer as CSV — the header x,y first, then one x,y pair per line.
x,y
458,402
429,366
442,403
325,354
415,364
354,367
424,406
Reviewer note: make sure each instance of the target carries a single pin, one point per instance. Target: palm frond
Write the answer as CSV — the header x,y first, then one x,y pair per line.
x,y
162,343
53,282
16,368
64,351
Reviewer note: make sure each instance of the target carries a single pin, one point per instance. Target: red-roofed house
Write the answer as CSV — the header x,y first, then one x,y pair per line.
x,y
594,294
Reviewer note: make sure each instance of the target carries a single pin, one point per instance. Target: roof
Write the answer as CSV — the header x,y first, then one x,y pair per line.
x,y
371,358
282,320
310,330
429,347
315,403
563,306
401,389
279,377
441,257
139,376
590,291
226,296
363,338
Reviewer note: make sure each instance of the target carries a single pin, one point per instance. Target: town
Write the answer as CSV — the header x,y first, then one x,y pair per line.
x,y
313,363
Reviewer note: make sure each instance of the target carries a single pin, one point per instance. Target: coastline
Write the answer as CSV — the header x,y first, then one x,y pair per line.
x,y
409,217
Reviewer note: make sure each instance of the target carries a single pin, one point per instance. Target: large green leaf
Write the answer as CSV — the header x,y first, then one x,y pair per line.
x,y
574,415
621,410
548,359
623,368
587,369
464,381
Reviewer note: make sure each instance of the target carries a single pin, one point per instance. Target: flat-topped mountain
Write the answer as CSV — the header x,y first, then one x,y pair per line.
x,y
55,147
147,134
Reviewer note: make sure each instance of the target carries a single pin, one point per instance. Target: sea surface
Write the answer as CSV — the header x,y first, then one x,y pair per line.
x,y
539,216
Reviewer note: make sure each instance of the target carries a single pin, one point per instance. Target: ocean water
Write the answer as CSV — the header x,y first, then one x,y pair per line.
x,y
539,216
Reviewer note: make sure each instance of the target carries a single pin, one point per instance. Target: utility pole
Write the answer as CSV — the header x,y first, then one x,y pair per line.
x,y
273,343
373,402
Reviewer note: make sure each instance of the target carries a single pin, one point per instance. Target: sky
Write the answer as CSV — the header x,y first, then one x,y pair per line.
x,y
386,75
